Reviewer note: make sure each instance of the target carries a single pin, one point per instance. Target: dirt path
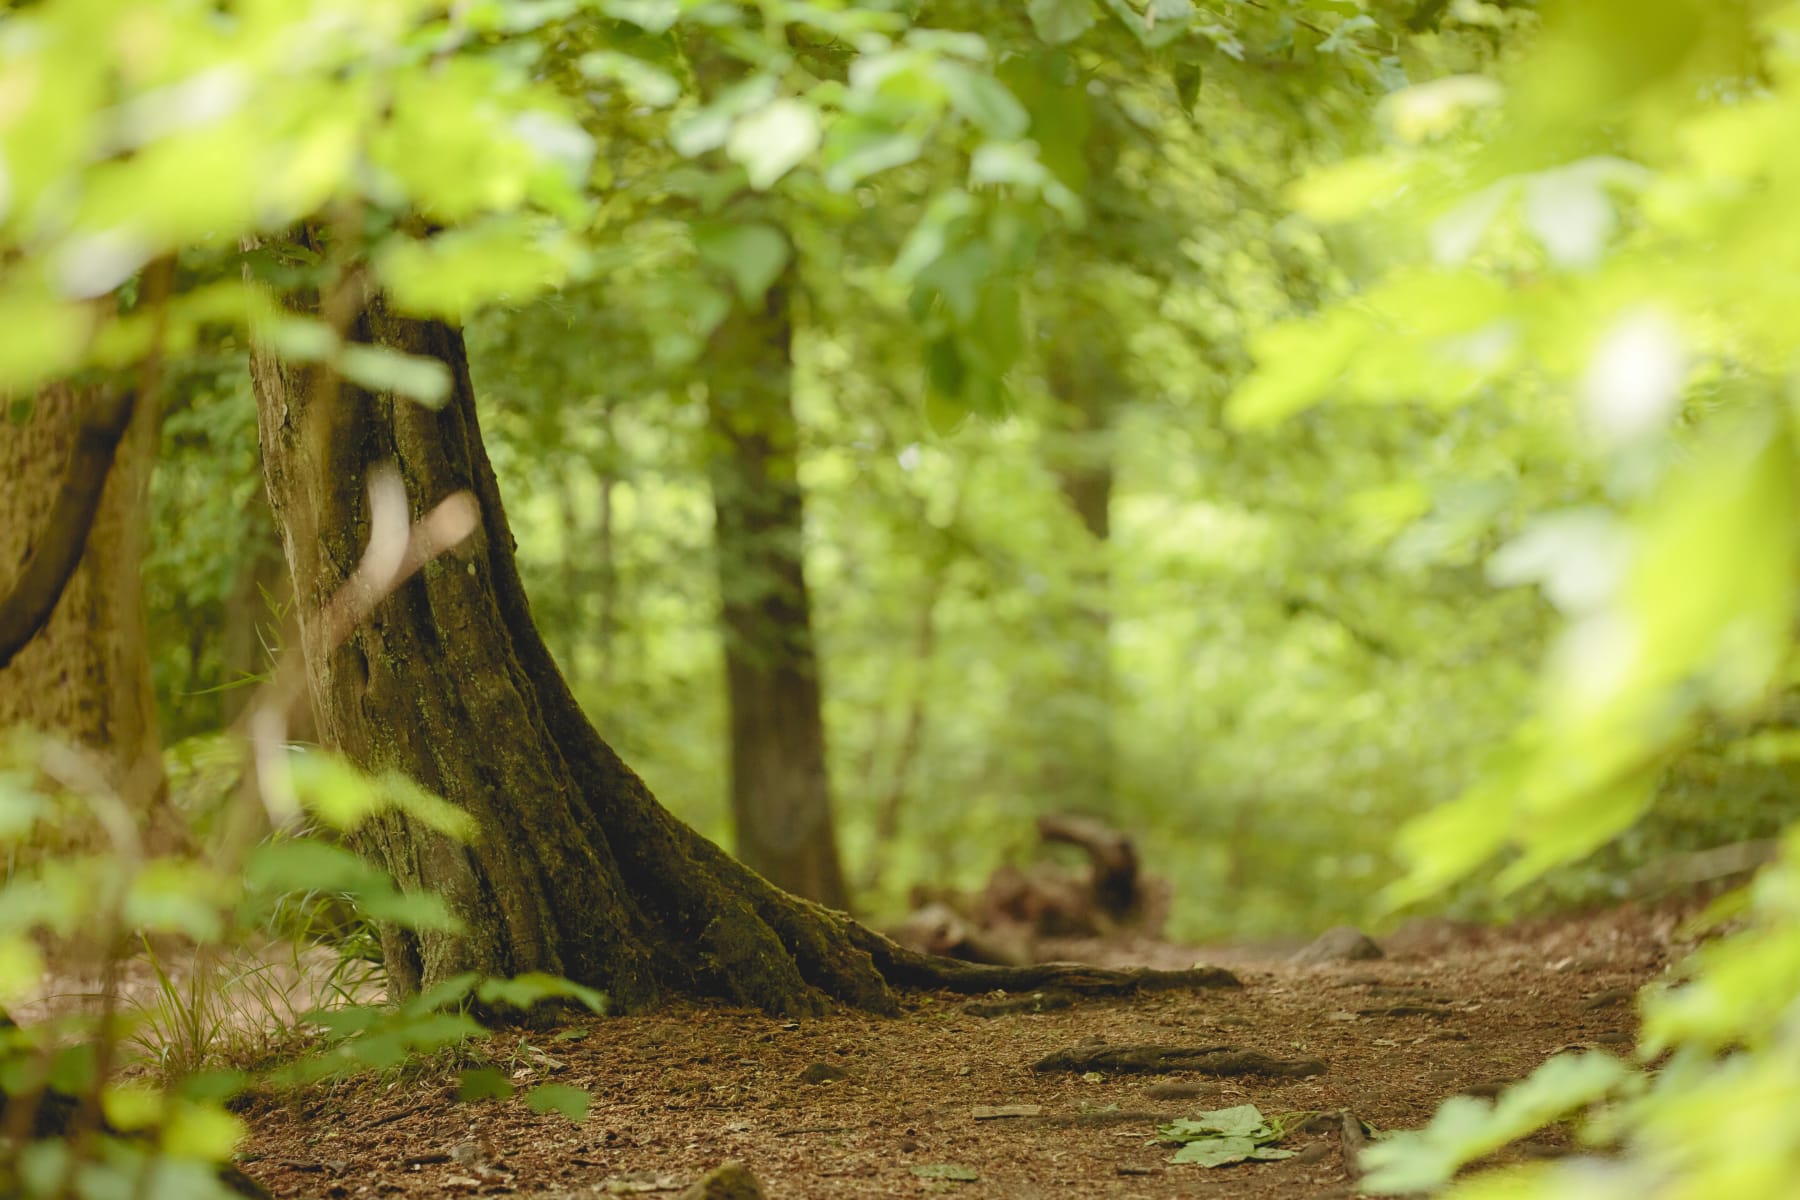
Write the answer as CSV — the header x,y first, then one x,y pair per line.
x,y
674,1095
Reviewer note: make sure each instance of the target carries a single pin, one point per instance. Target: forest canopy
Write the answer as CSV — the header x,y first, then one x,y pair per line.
x,y
1346,445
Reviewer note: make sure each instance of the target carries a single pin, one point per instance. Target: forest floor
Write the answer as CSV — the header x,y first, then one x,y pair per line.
x,y
902,1107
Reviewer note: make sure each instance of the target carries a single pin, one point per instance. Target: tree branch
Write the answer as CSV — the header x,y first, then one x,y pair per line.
x,y
59,546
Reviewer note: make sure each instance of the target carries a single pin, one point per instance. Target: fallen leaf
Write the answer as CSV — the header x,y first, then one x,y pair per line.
x,y
1215,1151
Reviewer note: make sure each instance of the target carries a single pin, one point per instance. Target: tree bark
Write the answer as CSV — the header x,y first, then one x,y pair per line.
x,y
85,675
575,868
780,788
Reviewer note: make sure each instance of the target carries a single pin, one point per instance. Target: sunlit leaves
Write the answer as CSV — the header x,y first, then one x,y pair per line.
x,y
1017,163
1297,364
774,139
1430,109
21,967
1577,556
201,1131
525,991
1713,589
1466,1128
379,1039
453,273
1665,253
57,896
488,161
235,127
1448,843
171,895
330,788
710,127
300,865
1347,189
1717,1116
379,369
44,337
130,1107
1696,609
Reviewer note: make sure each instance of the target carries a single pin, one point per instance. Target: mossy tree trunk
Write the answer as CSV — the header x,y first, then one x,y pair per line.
x,y
85,676
576,869
780,788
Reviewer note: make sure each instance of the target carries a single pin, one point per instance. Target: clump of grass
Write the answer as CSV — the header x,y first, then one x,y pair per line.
x,y
244,1006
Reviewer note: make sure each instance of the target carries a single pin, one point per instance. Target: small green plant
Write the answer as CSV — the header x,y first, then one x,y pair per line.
x,y
259,972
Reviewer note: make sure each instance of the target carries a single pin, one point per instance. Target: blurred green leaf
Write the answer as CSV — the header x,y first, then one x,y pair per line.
x,y
524,991
571,1102
380,369
754,255
774,139
1465,1128
1061,21
483,1083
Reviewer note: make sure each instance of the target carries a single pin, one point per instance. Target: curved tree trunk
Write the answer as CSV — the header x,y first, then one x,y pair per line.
x,y
780,788
85,676
575,868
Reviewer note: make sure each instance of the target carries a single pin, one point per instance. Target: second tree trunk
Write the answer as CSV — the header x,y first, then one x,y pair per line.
x,y
780,789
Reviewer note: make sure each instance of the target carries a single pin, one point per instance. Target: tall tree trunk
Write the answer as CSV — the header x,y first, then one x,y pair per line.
x,y
780,789
575,868
85,676
1082,380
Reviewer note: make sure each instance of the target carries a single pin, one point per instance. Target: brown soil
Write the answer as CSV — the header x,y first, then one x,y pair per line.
x,y
676,1094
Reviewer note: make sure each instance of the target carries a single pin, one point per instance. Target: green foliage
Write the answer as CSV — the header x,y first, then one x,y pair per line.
x,y
525,991
1598,223
1466,1128
1715,1115
483,1083
242,993
192,132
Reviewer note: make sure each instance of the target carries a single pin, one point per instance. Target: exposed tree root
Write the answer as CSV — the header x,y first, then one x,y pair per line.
x,y
1154,1060
910,970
